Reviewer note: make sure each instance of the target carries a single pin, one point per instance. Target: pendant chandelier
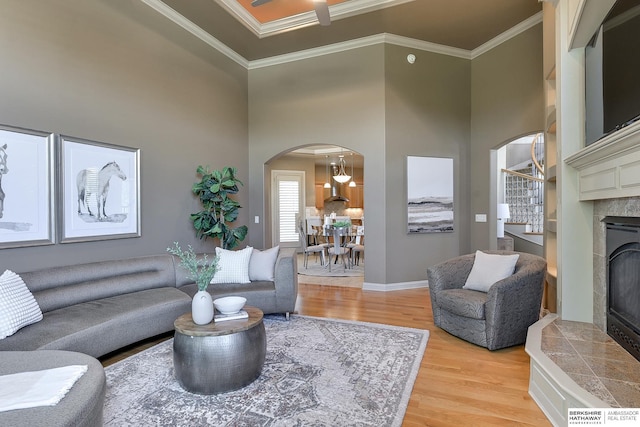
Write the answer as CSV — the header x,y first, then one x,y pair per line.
x,y
342,176
353,182
326,183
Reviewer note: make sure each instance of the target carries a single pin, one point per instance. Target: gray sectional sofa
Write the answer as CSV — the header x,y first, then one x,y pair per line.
x,y
100,307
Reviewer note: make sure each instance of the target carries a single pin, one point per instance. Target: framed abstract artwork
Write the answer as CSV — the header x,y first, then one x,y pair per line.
x,y
99,190
429,194
27,213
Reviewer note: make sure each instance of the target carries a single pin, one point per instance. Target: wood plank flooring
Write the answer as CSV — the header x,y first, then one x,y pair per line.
x,y
458,384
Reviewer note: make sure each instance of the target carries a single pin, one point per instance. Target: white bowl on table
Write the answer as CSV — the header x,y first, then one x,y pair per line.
x,y
229,305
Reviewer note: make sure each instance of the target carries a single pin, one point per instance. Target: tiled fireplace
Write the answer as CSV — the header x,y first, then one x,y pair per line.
x,y
602,208
576,364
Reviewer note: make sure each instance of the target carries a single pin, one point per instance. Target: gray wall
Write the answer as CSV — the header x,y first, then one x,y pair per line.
x,y
427,108
118,72
335,99
507,101
372,101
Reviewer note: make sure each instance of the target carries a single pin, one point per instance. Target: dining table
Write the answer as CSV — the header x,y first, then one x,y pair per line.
x,y
337,239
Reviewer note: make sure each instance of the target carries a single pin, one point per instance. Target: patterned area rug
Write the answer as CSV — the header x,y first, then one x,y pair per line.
x,y
317,372
337,270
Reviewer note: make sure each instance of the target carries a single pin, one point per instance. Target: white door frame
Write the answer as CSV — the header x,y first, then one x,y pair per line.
x,y
276,177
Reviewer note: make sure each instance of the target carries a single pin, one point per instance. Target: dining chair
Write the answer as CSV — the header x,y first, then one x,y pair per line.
x,y
338,250
319,236
310,249
357,248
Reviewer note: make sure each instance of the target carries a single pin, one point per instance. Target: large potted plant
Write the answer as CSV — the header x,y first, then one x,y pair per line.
x,y
201,270
218,208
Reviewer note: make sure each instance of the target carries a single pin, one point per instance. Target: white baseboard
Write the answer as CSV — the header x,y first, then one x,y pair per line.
x,y
384,287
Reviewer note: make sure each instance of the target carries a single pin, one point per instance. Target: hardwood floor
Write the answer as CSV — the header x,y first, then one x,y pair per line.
x,y
459,384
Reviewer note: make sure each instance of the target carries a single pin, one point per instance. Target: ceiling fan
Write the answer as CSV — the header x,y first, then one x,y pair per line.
x,y
321,7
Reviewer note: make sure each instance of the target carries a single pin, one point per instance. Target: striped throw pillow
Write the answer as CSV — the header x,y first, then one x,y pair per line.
x,y
18,307
233,266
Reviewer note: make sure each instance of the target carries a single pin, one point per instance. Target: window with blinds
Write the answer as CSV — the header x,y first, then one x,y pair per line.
x,y
288,208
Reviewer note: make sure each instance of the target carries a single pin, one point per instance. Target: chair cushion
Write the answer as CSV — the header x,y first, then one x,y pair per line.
x,y
463,302
488,269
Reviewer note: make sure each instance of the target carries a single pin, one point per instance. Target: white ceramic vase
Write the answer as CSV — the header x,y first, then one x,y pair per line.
x,y
202,308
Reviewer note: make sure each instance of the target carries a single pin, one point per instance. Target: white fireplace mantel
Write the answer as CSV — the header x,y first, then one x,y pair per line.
x,y
609,168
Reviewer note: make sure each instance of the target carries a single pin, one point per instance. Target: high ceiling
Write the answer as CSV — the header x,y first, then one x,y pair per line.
x,y
268,30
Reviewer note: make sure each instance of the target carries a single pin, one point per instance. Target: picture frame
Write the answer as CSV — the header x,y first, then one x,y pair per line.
x,y
99,190
27,210
430,195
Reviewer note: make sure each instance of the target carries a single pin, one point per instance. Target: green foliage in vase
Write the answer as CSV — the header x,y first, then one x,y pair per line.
x,y
218,208
339,224
200,270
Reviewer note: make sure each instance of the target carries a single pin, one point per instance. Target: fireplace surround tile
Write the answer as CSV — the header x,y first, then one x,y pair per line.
x,y
625,206
594,361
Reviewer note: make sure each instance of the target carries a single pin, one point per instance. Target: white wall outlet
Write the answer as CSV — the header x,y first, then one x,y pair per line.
x,y
256,219
481,217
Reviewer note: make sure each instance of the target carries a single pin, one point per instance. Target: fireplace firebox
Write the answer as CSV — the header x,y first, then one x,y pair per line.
x,y
623,281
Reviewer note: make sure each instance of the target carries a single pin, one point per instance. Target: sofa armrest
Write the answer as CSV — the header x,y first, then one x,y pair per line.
x,y
286,278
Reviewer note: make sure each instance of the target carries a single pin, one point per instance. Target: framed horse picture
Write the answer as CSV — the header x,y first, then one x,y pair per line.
x,y
27,214
99,186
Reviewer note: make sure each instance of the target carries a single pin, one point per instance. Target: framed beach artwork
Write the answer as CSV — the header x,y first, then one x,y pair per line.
x,y
429,194
99,188
27,213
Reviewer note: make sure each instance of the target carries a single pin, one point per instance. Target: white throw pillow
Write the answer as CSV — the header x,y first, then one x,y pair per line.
x,y
18,307
233,266
488,269
263,263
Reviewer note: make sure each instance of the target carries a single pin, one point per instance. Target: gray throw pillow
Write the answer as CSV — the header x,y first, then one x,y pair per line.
x,y
263,263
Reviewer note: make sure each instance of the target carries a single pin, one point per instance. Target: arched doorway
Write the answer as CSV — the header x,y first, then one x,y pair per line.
x,y
320,194
519,185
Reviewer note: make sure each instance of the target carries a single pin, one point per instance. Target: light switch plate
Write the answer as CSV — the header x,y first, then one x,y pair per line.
x,y
481,218
256,219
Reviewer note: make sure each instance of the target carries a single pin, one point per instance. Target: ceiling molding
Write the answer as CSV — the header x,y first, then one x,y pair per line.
x,y
192,28
198,32
306,19
427,46
509,34
318,51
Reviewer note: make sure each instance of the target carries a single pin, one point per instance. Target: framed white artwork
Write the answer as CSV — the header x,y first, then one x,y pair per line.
x,y
429,194
99,187
27,213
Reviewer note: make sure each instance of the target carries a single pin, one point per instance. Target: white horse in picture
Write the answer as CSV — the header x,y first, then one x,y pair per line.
x,y
94,184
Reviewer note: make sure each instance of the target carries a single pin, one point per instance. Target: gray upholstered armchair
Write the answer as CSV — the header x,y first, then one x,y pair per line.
x,y
495,319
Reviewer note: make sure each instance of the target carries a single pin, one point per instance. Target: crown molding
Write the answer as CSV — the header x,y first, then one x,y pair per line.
x,y
359,43
317,51
509,34
301,20
198,32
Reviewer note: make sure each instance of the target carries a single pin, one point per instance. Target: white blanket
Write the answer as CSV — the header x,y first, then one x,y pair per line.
x,y
38,388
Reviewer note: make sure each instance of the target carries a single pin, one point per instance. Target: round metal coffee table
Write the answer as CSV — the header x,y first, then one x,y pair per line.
x,y
220,356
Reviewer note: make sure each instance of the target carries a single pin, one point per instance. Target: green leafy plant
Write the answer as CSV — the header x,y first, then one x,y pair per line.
x,y
218,208
200,270
339,224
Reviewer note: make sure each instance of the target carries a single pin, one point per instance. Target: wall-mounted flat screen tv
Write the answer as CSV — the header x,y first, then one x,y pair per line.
x,y
612,72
